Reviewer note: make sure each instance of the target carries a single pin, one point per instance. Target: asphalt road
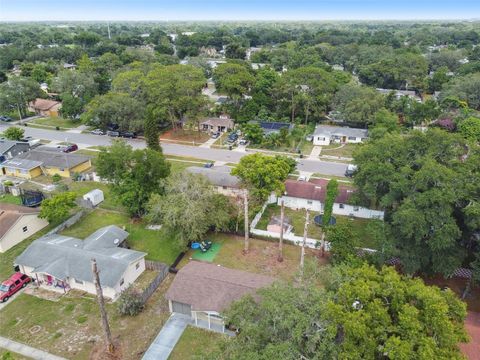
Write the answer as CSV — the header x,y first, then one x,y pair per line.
x,y
212,154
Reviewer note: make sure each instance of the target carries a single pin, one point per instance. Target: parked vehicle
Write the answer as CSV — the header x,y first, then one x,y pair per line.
x,y
98,132
350,170
309,138
70,148
215,135
208,165
232,138
113,133
128,134
9,287
5,118
243,142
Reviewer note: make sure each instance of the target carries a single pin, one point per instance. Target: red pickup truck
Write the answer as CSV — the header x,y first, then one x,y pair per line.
x,y
12,285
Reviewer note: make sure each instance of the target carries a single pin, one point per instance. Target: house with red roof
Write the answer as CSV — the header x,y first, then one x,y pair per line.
x,y
311,195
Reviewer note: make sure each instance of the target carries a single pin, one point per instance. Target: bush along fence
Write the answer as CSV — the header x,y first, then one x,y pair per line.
x,y
162,274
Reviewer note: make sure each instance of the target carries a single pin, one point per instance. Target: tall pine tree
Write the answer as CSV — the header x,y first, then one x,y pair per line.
x,y
151,134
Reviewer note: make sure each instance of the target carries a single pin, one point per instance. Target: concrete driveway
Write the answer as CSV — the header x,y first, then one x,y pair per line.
x,y
167,338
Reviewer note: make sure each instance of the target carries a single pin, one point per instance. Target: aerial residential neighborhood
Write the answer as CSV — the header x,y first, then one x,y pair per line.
x,y
239,180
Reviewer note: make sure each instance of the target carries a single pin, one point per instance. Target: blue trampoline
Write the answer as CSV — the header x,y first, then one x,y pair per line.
x,y
318,220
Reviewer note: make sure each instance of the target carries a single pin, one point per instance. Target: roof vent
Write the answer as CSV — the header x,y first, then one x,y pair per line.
x,y
116,241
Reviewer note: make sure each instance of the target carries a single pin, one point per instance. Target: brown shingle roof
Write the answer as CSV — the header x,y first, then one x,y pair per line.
x,y
9,215
315,189
44,104
209,287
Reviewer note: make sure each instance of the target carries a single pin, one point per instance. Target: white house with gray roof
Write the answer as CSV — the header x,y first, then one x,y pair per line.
x,y
62,263
324,135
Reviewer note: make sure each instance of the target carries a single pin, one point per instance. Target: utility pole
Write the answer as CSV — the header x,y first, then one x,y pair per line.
x,y
101,304
247,229
304,242
282,219
108,27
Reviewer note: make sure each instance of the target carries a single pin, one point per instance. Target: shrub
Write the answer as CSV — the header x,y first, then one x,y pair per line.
x,y
130,302
8,183
56,178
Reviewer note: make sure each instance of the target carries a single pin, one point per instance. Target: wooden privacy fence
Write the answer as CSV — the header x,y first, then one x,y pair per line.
x,y
162,274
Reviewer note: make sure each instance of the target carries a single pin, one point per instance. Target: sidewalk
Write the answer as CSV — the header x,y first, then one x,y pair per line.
x,y
209,142
26,350
315,153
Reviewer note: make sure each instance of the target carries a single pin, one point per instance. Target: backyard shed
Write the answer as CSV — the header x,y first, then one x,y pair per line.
x,y
95,196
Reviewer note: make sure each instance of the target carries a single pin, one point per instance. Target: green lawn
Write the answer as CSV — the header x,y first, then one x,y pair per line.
x,y
157,243
179,166
56,121
338,150
71,326
360,229
8,355
261,258
297,220
10,199
83,187
196,344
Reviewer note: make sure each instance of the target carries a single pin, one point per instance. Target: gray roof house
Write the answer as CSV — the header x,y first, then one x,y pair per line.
x,y
325,134
10,149
220,178
62,263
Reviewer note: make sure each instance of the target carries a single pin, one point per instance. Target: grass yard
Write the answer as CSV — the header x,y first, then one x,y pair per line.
x,y
83,187
329,177
10,199
342,150
8,355
261,258
156,243
196,344
360,229
179,165
70,327
198,137
56,121
297,220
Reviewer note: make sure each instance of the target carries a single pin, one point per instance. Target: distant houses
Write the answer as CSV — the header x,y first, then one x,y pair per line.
x,y
325,135
18,223
398,94
61,263
311,195
45,161
220,124
45,107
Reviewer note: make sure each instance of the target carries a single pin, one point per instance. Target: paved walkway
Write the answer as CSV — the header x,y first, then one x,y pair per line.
x,y
209,142
167,338
26,350
315,153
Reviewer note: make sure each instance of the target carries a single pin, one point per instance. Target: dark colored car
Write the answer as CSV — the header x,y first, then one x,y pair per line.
x,y
9,287
208,165
128,134
5,118
113,133
70,148
232,138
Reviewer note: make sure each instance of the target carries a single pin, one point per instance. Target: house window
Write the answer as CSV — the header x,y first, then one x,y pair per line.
x,y
78,281
137,265
353,138
309,202
224,187
122,282
341,206
24,172
25,229
355,208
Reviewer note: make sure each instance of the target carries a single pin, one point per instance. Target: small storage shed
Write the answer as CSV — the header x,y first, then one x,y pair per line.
x,y
95,196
